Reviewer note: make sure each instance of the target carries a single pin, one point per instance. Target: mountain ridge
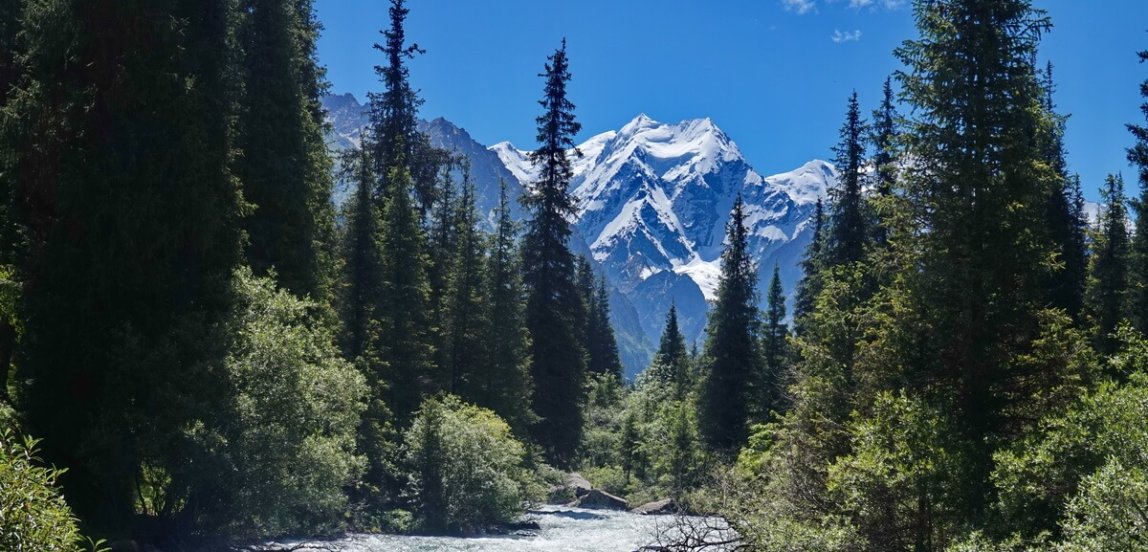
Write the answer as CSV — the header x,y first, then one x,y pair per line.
x,y
653,201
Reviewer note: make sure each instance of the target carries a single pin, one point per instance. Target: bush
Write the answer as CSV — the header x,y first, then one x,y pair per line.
x,y
33,514
296,407
468,472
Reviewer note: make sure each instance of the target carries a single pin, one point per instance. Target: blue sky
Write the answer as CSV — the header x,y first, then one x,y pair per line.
x,y
774,74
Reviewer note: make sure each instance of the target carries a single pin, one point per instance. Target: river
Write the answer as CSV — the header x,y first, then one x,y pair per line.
x,y
561,529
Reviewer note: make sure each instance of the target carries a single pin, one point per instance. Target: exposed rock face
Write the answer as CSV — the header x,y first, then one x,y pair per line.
x,y
578,484
662,507
601,500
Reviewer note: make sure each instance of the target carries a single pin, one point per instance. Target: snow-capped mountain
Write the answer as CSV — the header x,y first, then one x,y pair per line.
x,y
653,203
654,200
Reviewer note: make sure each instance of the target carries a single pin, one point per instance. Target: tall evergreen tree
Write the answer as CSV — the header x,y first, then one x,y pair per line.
x,y
602,346
979,186
848,229
553,305
1108,290
671,364
131,213
810,285
404,303
394,120
1138,156
283,163
10,13
732,354
505,382
774,346
466,294
884,136
1067,223
362,268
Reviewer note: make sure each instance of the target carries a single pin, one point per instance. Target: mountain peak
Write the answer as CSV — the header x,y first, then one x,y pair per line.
x,y
638,124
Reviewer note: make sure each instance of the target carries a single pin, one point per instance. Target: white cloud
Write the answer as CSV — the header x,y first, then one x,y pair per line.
x,y
847,36
800,7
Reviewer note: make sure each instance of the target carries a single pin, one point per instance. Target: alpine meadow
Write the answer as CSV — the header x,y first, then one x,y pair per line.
x,y
259,294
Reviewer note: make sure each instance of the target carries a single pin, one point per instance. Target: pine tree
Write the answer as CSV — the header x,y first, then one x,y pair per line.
x,y
553,306
602,350
732,353
1108,288
466,285
1067,224
774,345
810,285
979,185
1138,156
505,384
131,215
10,12
884,136
404,303
671,366
283,165
394,111
848,230
362,269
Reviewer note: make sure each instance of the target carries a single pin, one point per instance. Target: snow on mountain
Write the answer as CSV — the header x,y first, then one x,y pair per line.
x,y
653,202
655,198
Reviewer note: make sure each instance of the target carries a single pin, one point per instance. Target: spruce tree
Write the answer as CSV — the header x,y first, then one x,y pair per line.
x,y
10,12
671,366
1138,156
283,163
466,295
393,112
1067,224
848,229
774,346
504,384
553,305
131,215
810,285
362,269
979,185
602,346
733,358
884,136
403,306
1108,290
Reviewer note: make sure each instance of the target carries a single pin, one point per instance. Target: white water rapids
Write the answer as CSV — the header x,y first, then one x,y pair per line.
x,y
561,529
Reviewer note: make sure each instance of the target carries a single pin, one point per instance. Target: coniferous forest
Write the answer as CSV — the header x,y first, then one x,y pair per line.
x,y
200,351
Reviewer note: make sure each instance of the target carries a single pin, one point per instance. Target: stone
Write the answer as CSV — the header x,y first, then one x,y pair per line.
x,y
600,500
579,484
662,507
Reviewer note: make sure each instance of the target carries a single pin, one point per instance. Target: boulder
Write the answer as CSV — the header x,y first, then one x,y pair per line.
x,y
601,500
662,507
578,484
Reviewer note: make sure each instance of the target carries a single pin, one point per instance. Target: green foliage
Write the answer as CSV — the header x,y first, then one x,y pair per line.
x,y
554,306
1051,481
283,165
468,471
732,353
1107,292
896,484
848,229
33,514
293,408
